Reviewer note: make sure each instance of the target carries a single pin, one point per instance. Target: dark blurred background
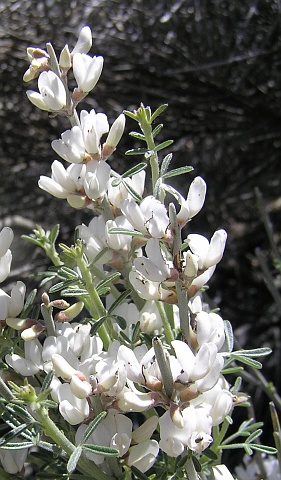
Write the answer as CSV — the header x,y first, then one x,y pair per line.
x,y
217,64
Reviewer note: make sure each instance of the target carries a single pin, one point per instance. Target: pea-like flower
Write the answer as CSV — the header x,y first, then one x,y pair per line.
x,y
6,238
87,71
52,96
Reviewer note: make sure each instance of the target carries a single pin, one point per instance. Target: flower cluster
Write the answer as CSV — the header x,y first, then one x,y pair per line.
x,y
138,374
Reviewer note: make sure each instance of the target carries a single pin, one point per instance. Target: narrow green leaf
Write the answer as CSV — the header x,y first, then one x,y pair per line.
x,y
74,292
264,449
101,450
158,111
118,301
20,412
228,371
210,454
47,280
165,164
13,433
254,435
92,426
130,114
98,257
177,171
53,235
137,135
30,299
247,361
157,130
107,281
256,352
229,337
68,272
163,145
136,169
136,151
59,286
97,325
120,320
17,445
47,381
125,231
74,459
132,192
33,240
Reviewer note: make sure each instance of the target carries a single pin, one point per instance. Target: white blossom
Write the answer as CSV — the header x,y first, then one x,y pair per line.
x,y
13,460
52,96
84,41
96,179
194,201
73,409
143,455
209,254
31,363
6,238
221,472
93,126
118,193
71,147
86,70
12,305
149,218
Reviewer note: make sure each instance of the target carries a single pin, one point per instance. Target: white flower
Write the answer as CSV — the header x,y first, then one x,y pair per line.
x,y
93,126
149,272
74,410
209,254
114,136
84,41
31,363
66,183
13,460
194,201
96,179
71,147
149,218
144,431
210,328
150,319
194,433
6,238
52,96
87,71
118,193
115,430
11,306
143,455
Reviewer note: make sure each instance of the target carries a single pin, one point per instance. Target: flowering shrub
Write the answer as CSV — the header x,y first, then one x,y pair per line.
x,y
129,379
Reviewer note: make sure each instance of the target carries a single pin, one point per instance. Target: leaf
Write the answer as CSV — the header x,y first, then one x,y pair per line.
x,y
17,445
20,412
30,299
59,286
74,292
163,145
137,135
120,320
165,164
229,337
256,352
68,272
134,170
210,454
107,281
47,381
158,111
125,231
92,426
254,435
101,450
136,151
132,191
247,360
97,325
264,449
13,433
74,459
53,235
157,130
130,114
118,301
177,171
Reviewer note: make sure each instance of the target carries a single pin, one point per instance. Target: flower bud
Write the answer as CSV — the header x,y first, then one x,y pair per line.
x,y
61,304
84,41
176,416
32,332
62,367
69,313
114,136
65,58
20,323
81,389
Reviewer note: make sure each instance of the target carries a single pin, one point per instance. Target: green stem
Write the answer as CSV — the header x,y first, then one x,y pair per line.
x,y
190,469
94,302
167,327
52,431
145,126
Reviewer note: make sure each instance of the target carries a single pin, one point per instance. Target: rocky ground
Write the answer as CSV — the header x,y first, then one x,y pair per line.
x,y
217,64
